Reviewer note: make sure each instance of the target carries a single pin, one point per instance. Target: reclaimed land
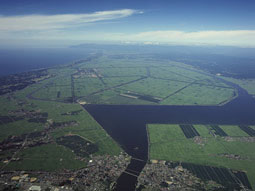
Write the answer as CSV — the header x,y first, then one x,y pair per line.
x,y
103,80
235,151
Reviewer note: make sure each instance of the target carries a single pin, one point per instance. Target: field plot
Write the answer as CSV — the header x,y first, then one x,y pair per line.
x,y
189,131
134,79
168,142
7,104
86,86
18,128
62,81
248,130
114,97
164,133
200,95
49,157
59,120
79,145
122,72
221,175
119,81
213,82
154,87
247,84
203,130
218,131
53,92
233,131
169,74
189,73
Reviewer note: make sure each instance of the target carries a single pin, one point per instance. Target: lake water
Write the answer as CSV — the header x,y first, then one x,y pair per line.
x,y
14,61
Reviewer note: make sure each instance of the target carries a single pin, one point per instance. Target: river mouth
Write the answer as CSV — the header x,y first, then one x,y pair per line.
x,y
126,124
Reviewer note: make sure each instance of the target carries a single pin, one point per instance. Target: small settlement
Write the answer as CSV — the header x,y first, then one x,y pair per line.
x,y
100,173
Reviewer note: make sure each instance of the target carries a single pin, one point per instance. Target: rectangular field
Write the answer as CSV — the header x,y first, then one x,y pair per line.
x,y
154,87
203,130
167,142
218,131
250,131
233,130
189,131
122,72
197,94
86,86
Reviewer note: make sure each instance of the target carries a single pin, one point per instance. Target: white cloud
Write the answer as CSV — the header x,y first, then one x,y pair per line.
x,y
51,22
231,37
64,28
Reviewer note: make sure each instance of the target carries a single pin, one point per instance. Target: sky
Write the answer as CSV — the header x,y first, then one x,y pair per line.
x,y
179,22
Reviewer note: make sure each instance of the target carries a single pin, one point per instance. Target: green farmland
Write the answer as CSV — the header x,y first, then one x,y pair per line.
x,y
53,156
107,80
235,151
51,109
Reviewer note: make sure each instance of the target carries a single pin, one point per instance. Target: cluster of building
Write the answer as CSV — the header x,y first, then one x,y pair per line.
x,y
28,114
241,139
200,140
100,173
158,175
233,156
87,72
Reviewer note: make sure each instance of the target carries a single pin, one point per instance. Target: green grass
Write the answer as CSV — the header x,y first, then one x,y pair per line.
x,y
164,133
63,81
50,157
154,87
167,143
128,68
121,71
50,92
114,97
87,127
213,82
203,130
183,70
7,105
168,73
111,82
86,86
247,84
233,130
200,95
164,78
18,128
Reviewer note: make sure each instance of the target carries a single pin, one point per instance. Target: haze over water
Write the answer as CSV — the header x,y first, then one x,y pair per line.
x,y
14,61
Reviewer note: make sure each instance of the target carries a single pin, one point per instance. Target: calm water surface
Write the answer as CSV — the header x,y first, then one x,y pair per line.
x,y
14,61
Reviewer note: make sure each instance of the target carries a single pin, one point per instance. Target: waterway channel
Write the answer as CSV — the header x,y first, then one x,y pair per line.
x,y
127,125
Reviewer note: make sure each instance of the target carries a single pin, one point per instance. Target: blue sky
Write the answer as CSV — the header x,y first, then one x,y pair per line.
x,y
185,22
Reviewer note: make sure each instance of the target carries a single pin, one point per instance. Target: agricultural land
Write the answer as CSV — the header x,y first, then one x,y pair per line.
x,y
45,128
222,147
